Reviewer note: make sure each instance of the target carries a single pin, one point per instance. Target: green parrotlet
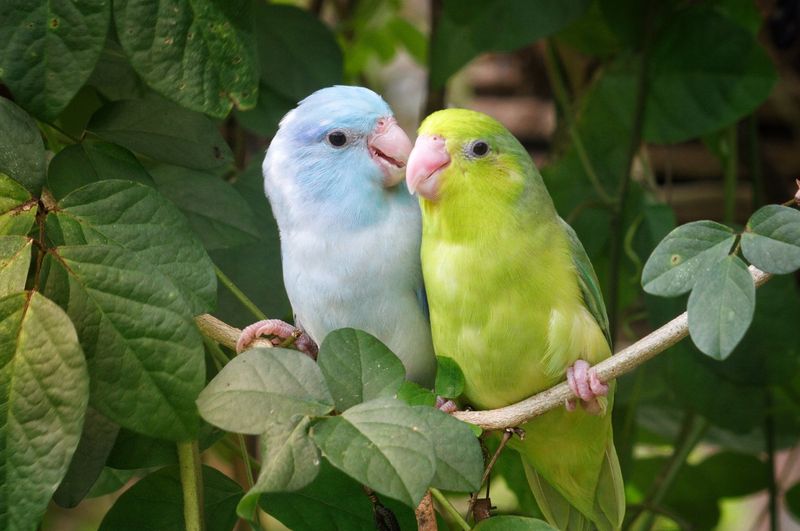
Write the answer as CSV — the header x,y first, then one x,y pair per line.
x,y
514,300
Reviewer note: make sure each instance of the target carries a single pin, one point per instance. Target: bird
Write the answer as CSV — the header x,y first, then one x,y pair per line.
x,y
515,302
349,230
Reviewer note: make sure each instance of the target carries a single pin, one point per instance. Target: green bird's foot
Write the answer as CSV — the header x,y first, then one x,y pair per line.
x,y
583,381
281,332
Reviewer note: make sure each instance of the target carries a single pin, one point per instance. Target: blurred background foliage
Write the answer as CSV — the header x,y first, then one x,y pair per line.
x,y
641,115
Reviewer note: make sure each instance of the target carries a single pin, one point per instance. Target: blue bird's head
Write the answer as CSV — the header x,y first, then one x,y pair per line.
x,y
340,146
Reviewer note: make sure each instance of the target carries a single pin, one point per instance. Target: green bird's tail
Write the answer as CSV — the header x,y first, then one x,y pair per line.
x,y
573,471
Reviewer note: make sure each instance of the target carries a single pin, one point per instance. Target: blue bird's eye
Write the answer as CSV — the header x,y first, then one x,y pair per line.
x,y
337,138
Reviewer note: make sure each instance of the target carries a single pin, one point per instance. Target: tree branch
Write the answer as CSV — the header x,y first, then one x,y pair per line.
x,y
620,363
223,333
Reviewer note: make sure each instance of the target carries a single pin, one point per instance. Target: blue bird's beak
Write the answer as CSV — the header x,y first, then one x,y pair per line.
x,y
389,147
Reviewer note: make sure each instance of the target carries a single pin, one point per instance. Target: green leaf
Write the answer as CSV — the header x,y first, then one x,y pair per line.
x,y
88,162
297,53
114,77
15,258
44,390
721,307
358,367
683,255
264,386
792,498
449,378
156,502
133,450
49,49
17,208
86,466
415,395
332,501
513,523
459,459
200,54
772,239
111,480
381,444
144,352
290,461
496,25
265,116
216,211
691,94
21,147
731,475
162,131
139,219
412,38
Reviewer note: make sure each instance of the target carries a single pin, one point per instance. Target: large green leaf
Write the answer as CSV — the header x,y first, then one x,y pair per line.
x,y
263,386
358,367
335,502
44,389
163,131
199,54
17,207
88,162
513,523
21,147
49,49
459,459
114,77
685,254
15,258
216,211
696,86
381,443
90,456
772,239
156,502
721,307
468,28
139,219
144,352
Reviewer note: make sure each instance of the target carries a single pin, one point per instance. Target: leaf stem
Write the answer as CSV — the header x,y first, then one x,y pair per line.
x,y
192,485
219,357
448,508
246,302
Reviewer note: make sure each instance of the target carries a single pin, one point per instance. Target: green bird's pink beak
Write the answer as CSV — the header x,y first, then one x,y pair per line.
x,y
427,160
389,147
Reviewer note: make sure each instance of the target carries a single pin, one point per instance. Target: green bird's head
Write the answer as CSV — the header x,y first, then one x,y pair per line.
x,y
462,155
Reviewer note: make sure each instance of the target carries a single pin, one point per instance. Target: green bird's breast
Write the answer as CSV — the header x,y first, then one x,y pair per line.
x,y
506,306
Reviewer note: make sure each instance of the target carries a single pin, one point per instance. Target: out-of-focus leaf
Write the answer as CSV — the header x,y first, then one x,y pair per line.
x,y
265,116
162,131
497,25
44,389
143,349
111,480
199,54
86,466
81,164
49,49
513,523
139,219
792,498
449,378
156,502
358,367
114,77
380,444
15,258
262,386
216,211
685,254
772,239
21,147
721,307
691,94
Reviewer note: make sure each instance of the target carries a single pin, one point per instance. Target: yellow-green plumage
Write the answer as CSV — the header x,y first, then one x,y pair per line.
x,y
514,301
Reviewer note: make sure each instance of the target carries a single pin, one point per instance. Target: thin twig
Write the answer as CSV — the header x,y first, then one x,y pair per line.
x,y
507,434
223,333
448,508
239,294
620,363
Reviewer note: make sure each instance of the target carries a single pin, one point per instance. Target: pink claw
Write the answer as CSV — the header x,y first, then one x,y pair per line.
x,y
282,330
583,381
445,405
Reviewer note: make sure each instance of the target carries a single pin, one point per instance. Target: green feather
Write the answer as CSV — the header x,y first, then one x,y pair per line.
x,y
514,301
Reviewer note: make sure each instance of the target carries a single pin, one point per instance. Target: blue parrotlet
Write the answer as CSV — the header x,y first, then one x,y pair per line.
x,y
350,231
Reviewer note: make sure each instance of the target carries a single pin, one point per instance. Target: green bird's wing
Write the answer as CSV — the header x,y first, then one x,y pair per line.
x,y
590,286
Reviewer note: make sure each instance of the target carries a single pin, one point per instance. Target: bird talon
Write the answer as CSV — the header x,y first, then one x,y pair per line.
x,y
284,336
584,382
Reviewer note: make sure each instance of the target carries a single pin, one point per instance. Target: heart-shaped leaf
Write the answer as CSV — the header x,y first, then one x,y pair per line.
x,y
772,239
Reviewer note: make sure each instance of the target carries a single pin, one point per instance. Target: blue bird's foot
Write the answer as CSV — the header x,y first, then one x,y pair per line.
x,y
282,332
446,405
583,381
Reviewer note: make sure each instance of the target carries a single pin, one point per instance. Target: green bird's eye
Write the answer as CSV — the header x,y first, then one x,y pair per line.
x,y
479,148
337,139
